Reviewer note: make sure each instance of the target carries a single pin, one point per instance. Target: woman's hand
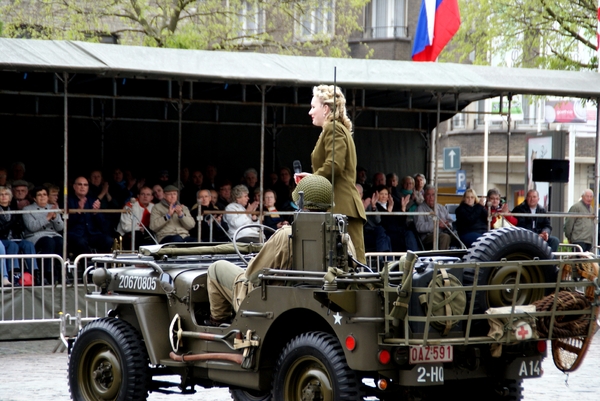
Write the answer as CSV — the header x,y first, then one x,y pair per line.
x,y
390,204
374,199
104,190
405,201
252,206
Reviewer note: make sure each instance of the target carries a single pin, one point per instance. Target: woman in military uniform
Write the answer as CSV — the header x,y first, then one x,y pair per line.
x,y
341,167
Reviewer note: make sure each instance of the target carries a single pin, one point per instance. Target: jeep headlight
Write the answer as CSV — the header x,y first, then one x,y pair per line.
x,y
101,277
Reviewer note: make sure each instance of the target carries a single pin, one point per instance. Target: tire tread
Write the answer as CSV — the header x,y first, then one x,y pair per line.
x,y
135,357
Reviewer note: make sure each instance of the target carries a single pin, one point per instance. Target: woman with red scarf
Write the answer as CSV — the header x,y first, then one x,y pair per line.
x,y
496,206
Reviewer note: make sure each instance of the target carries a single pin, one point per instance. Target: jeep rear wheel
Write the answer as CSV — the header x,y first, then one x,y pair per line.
x,y
510,243
108,363
313,367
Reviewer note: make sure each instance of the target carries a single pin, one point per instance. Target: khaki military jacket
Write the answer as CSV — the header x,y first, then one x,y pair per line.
x,y
346,198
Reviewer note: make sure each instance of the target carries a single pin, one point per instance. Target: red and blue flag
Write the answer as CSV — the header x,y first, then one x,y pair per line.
x,y
438,22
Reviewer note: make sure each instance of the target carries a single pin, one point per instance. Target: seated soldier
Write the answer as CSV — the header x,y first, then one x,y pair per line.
x,y
229,284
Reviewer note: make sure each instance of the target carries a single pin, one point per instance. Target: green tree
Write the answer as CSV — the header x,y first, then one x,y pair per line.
x,y
273,26
553,34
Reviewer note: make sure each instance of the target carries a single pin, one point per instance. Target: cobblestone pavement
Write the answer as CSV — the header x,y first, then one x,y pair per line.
x,y
30,371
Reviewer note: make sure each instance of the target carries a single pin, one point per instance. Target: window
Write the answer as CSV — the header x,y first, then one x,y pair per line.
x,y
317,20
253,19
388,19
458,121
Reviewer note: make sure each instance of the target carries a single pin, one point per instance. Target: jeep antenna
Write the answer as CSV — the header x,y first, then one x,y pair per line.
x,y
333,110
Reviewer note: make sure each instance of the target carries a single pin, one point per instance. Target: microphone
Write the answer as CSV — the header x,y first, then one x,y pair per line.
x,y
297,166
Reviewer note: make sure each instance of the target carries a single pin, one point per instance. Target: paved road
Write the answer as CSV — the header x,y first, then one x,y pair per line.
x,y
30,371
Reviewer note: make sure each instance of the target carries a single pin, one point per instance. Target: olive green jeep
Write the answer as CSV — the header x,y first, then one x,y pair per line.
x,y
333,329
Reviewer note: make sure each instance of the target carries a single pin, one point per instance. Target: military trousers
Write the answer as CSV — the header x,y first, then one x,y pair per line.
x,y
222,277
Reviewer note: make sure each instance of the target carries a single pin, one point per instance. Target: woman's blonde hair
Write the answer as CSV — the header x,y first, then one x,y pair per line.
x,y
471,191
325,94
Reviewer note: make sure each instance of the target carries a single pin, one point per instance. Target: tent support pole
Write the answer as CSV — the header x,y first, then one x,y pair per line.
x,y
261,178
434,146
508,133
596,176
179,128
65,171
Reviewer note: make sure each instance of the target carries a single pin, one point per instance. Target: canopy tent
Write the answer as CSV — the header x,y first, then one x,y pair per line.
x,y
139,105
94,103
277,70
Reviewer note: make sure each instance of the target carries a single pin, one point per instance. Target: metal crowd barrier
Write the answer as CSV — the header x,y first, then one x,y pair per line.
x,y
25,304
53,305
61,301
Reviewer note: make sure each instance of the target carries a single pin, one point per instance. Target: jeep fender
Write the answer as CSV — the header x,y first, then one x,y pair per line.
x,y
145,313
297,310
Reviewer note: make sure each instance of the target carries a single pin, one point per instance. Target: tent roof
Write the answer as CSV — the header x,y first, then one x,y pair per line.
x,y
475,82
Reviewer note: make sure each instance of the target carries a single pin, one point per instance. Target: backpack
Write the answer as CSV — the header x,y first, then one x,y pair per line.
x,y
444,303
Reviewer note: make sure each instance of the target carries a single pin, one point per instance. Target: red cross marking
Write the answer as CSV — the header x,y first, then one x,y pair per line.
x,y
522,332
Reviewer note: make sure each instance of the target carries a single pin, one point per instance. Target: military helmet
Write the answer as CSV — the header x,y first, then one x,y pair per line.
x,y
317,192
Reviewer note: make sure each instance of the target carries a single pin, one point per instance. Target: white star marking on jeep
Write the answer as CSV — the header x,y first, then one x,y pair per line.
x,y
338,318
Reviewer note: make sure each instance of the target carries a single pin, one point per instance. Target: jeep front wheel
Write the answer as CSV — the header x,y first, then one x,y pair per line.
x,y
312,366
108,362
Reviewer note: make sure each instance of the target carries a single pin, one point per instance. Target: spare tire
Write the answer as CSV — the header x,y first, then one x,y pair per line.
x,y
510,243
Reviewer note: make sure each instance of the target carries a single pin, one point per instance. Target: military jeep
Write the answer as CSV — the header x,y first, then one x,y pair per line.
x,y
473,321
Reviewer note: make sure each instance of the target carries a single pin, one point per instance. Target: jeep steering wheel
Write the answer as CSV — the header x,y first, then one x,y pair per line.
x,y
235,234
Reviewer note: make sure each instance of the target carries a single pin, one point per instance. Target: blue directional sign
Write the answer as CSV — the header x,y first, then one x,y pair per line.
x,y
461,182
451,159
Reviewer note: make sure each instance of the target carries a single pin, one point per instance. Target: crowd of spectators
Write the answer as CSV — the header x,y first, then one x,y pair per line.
x,y
107,207
386,194
162,209
474,216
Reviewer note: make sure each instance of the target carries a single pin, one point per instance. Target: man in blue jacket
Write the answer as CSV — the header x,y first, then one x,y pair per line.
x,y
86,232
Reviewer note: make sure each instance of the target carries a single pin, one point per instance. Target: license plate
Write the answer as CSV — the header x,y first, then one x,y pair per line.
x,y
431,354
